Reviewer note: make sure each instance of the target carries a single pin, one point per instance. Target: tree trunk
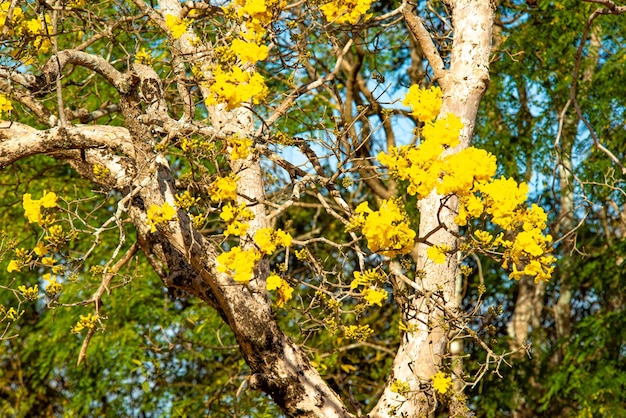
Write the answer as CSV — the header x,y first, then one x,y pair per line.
x,y
423,350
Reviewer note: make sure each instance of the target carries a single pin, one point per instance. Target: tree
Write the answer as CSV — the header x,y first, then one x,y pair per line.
x,y
221,141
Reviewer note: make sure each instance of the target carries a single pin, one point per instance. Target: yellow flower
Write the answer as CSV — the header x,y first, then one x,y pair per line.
x,y
185,200
40,249
144,57
267,239
238,263
32,207
358,332
424,103
158,215
249,52
441,382
275,282
237,218
437,253
85,321
14,265
224,188
30,293
5,104
240,147
53,286
483,237
387,230
374,296
176,26
400,387
365,278
444,131
235,87
346,11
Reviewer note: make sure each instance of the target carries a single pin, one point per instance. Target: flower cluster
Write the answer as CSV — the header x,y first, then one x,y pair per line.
x,y
185,200
248,52
237,218
372,281
346,11
176,25
235,86
5,104
469,174
238,263
424,103
160,215
257,15
437,253
358,332
144,57
30,293
33,30
224,188
86,321
284,290
400,387
32,208
387,230
268,239
441,382
239,147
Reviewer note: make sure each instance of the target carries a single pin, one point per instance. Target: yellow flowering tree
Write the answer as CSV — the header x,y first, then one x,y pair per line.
x,y
274,162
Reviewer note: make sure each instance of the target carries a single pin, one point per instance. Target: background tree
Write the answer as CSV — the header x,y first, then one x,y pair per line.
x,y
170,161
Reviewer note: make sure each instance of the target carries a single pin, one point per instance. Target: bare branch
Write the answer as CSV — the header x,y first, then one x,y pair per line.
x,y
19,141
415,25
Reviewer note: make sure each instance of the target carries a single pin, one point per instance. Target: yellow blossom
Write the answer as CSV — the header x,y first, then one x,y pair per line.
x,y
159,215
268,239
144,57
444,131
358,332
32,207
346,11
40,249
176,26
5,104
236,217
239,147
387,230
12,313
437,253
424,103
441,382
400,387
235,87
249,52
30,293
374,296
14,265
484,237
285,291
48,261
238,263
53,286
185,200
224,188
85,322
365,279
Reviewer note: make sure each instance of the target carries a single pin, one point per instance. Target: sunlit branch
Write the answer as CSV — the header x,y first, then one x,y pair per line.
x,y
415,25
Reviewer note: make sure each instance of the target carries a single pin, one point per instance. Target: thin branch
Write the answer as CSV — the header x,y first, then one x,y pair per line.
x,y
415,25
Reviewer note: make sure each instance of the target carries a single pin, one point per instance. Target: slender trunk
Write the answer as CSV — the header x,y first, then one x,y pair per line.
x,y
423,350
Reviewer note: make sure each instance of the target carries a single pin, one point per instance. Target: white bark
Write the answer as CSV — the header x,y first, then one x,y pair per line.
x,y
421,352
